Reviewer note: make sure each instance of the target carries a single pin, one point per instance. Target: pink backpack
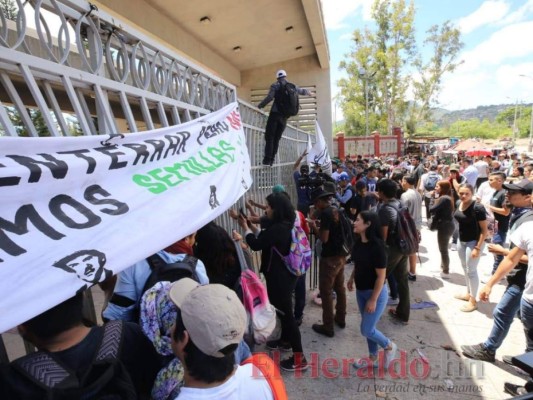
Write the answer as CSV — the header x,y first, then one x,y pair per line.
x,y
261,314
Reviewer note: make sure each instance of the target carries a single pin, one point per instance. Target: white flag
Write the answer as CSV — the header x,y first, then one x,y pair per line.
x,y
319,153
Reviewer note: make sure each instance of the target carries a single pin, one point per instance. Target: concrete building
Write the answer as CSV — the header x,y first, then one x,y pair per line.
x,y
245,43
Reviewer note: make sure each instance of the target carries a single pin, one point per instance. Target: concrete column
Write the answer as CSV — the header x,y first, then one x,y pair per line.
x,y
376,143
340,145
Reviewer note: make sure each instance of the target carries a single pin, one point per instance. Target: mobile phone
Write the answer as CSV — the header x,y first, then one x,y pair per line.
x,y
241,211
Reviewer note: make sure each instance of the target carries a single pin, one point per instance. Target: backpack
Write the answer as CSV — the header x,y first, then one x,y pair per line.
x,y
160,271
287,100
163,271
431,182
105,379
405,235
346,230
300,254
261,314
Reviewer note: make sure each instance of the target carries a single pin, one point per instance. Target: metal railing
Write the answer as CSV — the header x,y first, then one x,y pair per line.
x,y
81,71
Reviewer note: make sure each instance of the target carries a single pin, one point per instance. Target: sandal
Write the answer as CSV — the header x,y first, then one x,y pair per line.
x,y
469,307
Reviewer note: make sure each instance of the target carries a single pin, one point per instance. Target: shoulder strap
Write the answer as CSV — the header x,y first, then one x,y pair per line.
x,y
44,370
270,371
111,344
155,261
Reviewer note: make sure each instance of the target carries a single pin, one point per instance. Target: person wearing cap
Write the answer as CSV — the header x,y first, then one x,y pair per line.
x,y
276,120
301,180
331,263
345,192
210,324
519,196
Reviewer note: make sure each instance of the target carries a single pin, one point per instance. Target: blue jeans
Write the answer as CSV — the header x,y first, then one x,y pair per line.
x,y
469,265
503,314
526,316
498,238
370,320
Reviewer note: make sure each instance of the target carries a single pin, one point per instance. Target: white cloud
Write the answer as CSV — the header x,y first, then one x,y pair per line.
x,y
346,36
490,11
487,85
337,11
509,42
519,15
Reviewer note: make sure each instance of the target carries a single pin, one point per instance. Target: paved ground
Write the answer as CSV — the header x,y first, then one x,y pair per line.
x,y
428,330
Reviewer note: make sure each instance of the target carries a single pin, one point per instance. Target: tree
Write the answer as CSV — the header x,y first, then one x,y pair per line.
x,y
382,54
390,54
446,44
9,9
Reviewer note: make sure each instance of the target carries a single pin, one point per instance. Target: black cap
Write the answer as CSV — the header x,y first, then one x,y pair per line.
x,y
320,193
522,186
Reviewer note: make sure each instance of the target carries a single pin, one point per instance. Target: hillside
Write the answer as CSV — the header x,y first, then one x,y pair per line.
x,y
443,117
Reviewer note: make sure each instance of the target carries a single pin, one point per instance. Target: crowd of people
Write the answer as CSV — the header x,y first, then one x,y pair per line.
x,y
183,336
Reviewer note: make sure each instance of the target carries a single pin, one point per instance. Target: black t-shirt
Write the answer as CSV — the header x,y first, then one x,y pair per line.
x,y
137,355
361,203
468,219
329,222
278,235
367,257
498,200
442,209
388,216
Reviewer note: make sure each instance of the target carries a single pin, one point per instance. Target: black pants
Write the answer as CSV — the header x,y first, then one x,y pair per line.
x,y
299,297
280,285
397,265
274,129
444,233
427,204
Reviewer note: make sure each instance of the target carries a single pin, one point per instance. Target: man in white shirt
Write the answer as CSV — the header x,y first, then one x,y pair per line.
x,y
428,181
483,171
210,323
413,201
523,241
470,172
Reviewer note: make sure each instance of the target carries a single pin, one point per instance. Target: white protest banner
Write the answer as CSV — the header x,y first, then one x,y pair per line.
x,y
75,210
319,153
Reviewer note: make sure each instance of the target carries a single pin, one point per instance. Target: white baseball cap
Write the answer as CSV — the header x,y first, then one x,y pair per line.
x,y
212,314
281,74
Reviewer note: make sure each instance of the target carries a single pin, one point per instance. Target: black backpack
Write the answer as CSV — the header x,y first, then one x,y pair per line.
x,y
405,235
287,100
346,230
105,379
161,271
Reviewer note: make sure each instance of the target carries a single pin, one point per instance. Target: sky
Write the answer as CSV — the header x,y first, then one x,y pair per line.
x,y
498,46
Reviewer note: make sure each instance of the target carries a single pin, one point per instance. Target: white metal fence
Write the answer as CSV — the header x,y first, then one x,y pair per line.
x,y
67,68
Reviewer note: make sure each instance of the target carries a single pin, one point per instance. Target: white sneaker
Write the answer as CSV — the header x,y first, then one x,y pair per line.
x,y
390,354
453,247
393,302
444,275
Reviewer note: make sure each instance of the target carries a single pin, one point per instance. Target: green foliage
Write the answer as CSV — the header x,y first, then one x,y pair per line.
x,y
35,116
388,54
9,9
